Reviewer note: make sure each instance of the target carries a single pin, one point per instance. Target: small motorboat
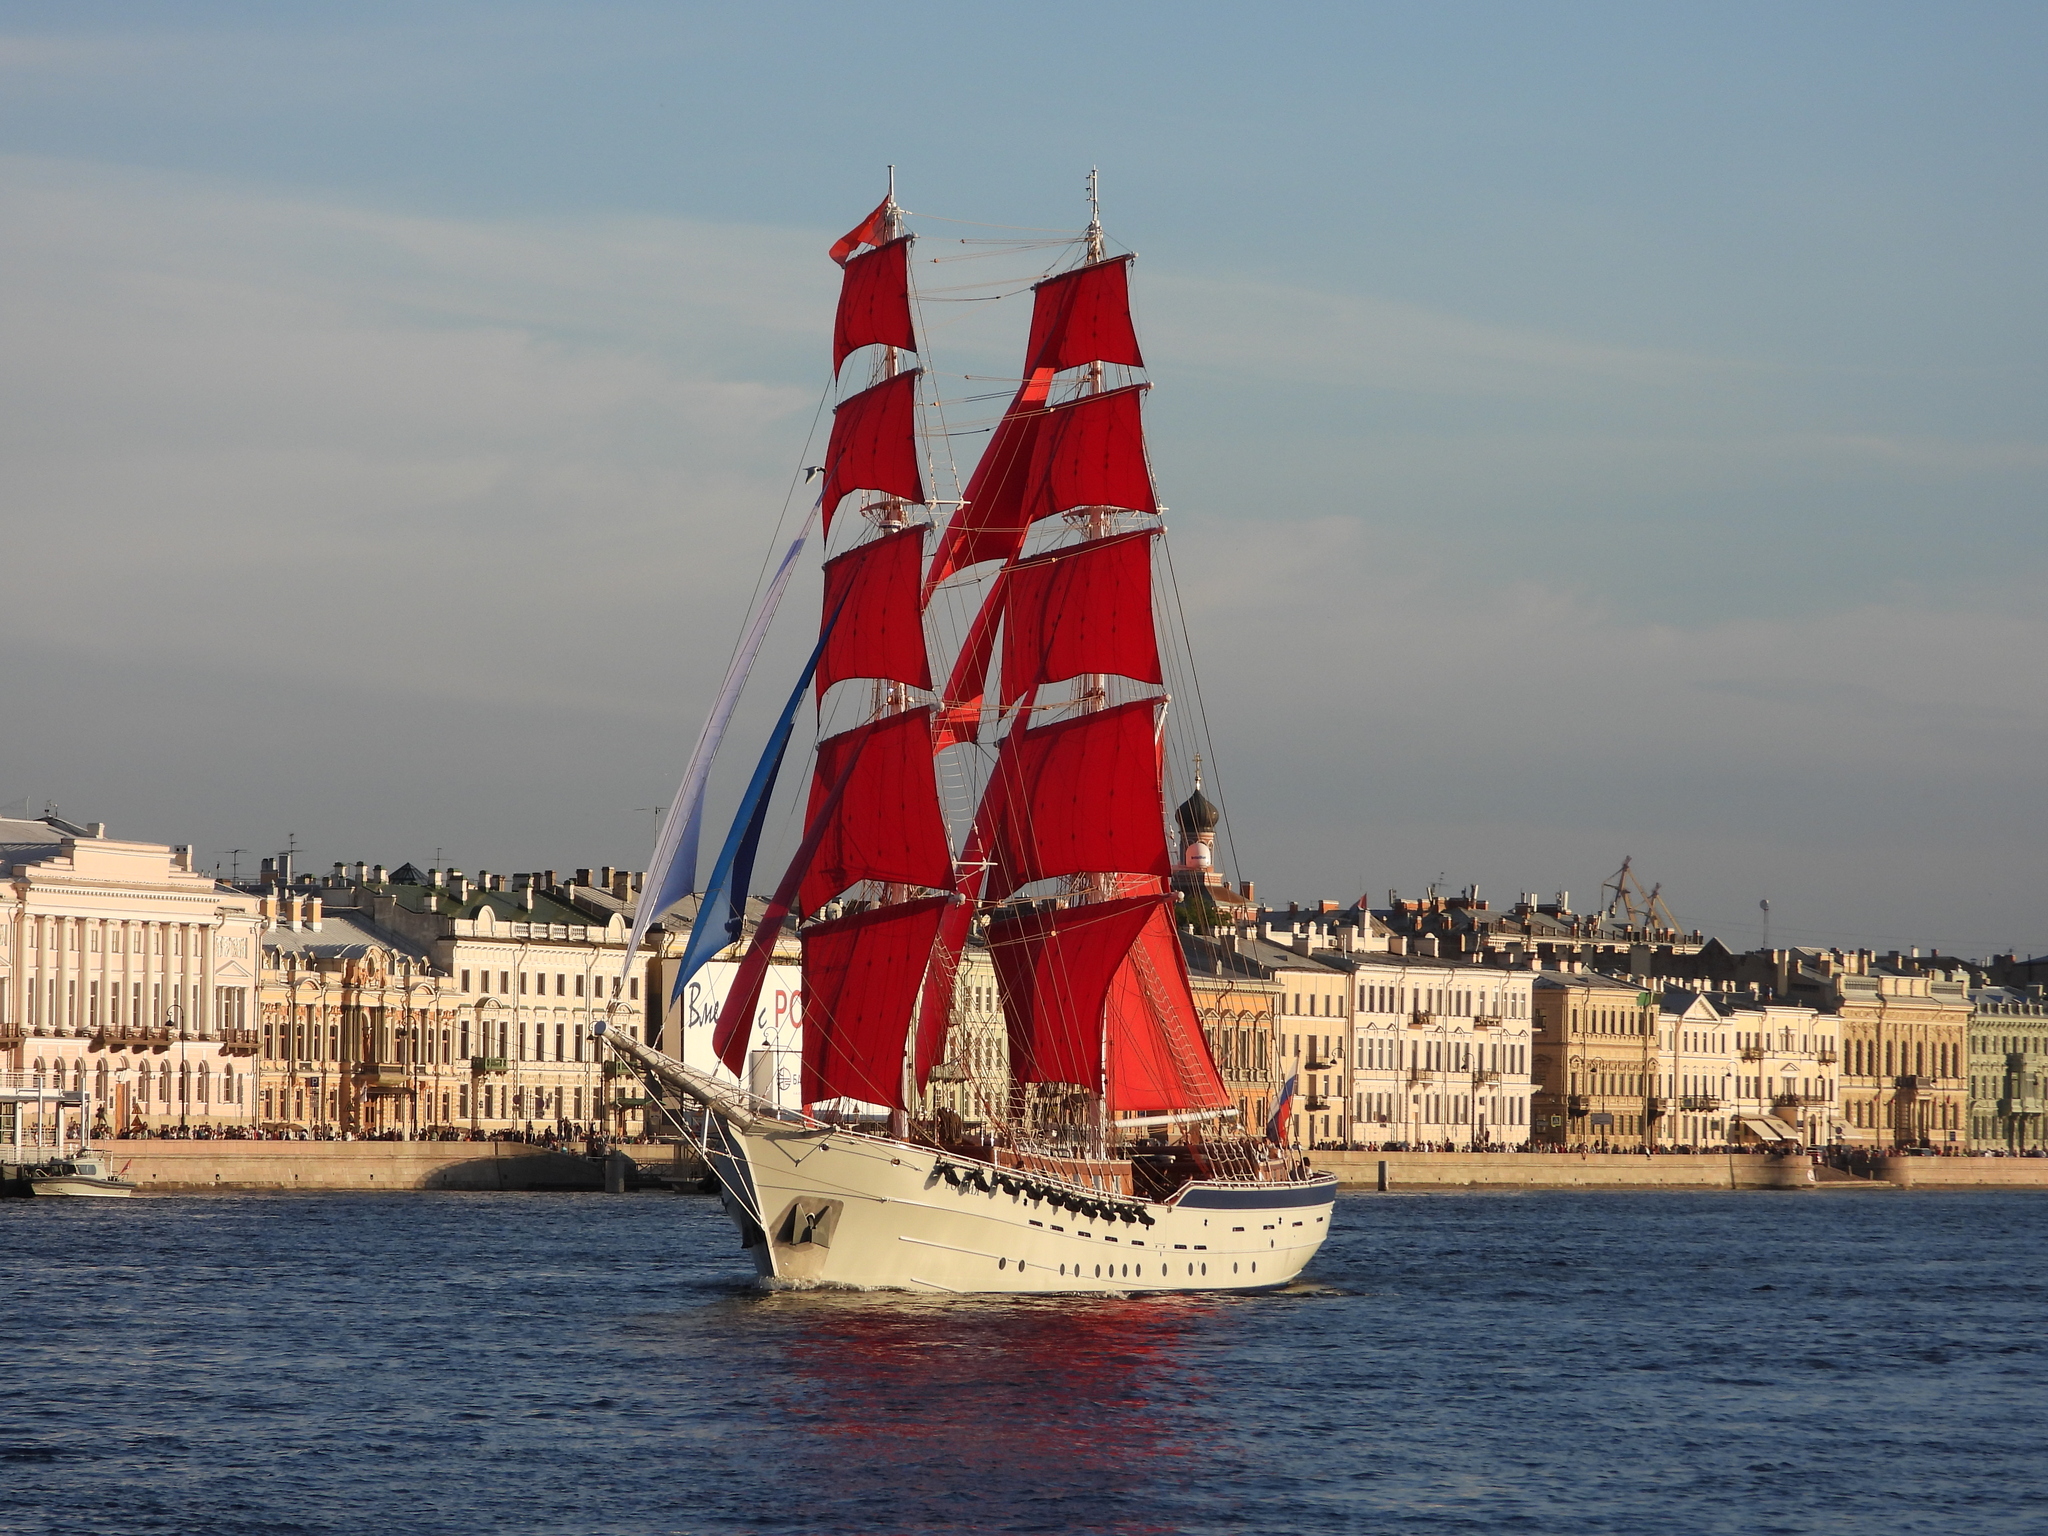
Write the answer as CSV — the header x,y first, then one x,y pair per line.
x,y
85,1172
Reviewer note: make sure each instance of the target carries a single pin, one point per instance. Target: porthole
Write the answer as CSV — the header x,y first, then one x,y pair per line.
x,y
1063,1269
1233,1269
1098,1271
1205,1268
1191,1269
1002,1263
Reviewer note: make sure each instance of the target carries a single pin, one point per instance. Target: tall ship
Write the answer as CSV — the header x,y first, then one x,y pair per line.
x,y
1012,796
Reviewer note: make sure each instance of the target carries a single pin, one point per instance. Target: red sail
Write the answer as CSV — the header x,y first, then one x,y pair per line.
x,y
878,630
874,302
1055,969
960,709
887,825
1090,452
1079,797
1159,1061
1084,316
991,522
874,444
868,231
1085,608
861,980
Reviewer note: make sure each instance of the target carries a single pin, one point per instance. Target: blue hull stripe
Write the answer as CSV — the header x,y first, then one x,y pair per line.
x,y
1253,1197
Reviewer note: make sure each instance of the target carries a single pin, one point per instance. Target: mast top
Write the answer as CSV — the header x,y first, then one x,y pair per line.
x,y
1094,213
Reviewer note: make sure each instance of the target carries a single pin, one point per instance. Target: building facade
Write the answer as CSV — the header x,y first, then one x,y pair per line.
x,y
447,1006
126,974
1596,1061
2008,1069
1440,1051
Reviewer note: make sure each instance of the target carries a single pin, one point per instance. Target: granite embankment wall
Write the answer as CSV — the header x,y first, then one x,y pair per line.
x,y
1967,1172
1536,1170
183,1167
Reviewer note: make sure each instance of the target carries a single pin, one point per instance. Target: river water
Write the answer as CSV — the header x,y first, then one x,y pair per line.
x,y
1686,1363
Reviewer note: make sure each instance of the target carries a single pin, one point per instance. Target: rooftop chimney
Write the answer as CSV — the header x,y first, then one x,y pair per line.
x,y
362,871
547,878
526,897
379,875
313,910
433,877
621,884
583,877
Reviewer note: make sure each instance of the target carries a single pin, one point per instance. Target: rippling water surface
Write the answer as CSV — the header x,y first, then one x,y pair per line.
x,y
479,1364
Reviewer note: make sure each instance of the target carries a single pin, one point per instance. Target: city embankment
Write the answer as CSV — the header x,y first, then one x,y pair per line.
x,y
189,1167
1394,1171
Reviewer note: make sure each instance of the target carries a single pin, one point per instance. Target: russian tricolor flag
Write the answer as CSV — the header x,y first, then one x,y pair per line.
x,y
1283,1111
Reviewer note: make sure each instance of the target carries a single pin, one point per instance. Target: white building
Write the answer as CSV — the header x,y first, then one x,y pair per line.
x,y
1389,1047
1439,1051
1738,1070
126,974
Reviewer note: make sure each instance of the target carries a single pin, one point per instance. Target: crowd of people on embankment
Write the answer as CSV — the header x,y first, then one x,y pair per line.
x,y
1838,1157
567,1137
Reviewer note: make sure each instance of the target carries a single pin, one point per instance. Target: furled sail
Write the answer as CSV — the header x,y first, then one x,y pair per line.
x,y
1084,608
886,823
1080,796
861,980
874,302
879,632
1084,316
873,446
1055,971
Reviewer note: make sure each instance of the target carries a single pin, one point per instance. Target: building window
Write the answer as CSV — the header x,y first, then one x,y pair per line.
x,y
465,981
633,989
561,984
579,986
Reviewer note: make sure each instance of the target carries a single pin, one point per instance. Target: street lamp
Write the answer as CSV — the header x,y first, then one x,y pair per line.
x,y
176,1023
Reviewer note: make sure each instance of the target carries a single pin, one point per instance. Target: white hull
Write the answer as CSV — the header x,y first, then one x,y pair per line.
x,y
836,1207
73,1185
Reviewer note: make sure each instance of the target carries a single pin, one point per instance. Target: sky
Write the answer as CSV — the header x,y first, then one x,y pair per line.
x,y
1589,431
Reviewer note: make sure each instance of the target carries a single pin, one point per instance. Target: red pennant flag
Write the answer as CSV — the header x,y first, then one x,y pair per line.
x,y
867,232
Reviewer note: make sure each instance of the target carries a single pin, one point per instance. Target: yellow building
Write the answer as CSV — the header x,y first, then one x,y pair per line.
x,y
1596,1061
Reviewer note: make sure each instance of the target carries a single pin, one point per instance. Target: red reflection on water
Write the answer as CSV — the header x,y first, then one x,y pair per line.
x,y
971,1400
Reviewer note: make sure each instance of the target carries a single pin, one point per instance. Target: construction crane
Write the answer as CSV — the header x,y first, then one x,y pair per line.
x,y
1625,897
